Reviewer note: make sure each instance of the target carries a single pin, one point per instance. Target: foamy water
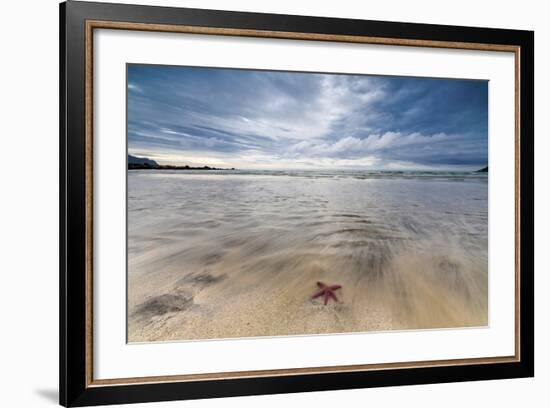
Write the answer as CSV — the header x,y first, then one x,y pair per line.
x,y
237,254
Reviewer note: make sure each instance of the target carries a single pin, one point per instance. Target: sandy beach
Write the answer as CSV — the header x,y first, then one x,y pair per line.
x,y
222,255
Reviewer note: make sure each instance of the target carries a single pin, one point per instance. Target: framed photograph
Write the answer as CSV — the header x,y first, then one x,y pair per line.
x,y
256,203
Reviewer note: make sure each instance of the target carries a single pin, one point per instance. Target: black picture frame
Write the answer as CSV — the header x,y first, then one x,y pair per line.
x,y
75,388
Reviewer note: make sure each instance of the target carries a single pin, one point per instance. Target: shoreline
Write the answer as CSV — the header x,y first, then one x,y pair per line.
x,y
408,255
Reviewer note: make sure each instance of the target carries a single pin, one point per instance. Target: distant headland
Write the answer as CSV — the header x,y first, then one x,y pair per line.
x,y
483,170
143,163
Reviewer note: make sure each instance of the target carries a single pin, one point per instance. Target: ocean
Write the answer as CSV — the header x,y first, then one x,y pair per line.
x,y
224,254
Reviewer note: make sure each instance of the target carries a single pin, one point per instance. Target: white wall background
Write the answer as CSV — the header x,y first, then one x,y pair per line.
x,y
29,204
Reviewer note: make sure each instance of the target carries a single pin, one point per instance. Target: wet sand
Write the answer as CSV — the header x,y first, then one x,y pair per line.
x,y
238,255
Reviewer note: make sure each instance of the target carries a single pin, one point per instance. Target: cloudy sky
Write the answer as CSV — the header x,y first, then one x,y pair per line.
x,y
270,120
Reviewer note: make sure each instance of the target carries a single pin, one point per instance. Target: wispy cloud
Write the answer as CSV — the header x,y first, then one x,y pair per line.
x,y
261,119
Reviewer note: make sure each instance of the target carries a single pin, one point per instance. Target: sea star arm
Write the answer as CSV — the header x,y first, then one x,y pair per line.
x,y
332,295
319,293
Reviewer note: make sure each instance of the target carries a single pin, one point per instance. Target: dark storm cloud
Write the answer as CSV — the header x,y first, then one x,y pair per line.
x,y
253,119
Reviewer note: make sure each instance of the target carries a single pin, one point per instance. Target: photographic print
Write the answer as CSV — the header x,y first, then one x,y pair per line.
x,y
271,203
261,203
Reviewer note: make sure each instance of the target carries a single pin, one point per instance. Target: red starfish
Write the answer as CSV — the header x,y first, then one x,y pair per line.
x,y
326,291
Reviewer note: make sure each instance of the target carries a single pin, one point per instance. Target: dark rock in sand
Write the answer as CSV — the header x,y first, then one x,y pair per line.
x,y
167,303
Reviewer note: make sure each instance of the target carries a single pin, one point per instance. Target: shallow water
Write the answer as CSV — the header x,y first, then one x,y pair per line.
x,y
236,254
